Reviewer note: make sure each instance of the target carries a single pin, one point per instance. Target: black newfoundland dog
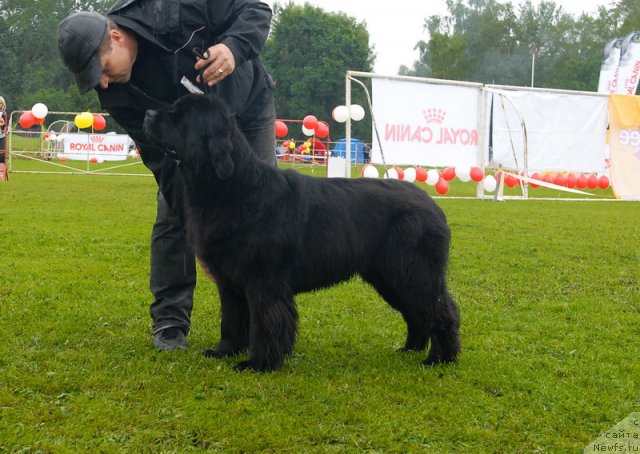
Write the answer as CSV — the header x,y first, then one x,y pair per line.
x,y
267,234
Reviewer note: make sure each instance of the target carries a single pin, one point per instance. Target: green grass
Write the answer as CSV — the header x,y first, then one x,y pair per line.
x,y
549,297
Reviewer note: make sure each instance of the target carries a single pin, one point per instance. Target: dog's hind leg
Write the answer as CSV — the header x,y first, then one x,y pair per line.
x,y
415,316
274,321
234,323
445,341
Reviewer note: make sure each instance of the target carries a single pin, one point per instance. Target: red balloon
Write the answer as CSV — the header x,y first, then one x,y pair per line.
x,y
421,174
510,181
476,174
535,176
449,173
442,187
560,179
400,172
603,182
38,121
572,180
322,130
582,181
27,120
592,181
99,122
281,129
547,178
310,122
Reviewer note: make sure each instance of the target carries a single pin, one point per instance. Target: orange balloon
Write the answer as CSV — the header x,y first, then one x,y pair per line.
x,y
26,120
322,130
99,122
281,128
442,187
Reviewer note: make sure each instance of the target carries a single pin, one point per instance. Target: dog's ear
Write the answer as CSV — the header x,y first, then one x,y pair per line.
x,y
220,152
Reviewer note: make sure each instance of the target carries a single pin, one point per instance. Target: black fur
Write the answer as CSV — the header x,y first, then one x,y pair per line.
x,y
267,234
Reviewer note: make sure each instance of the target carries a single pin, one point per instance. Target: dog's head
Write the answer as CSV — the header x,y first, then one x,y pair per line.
x,y
196,131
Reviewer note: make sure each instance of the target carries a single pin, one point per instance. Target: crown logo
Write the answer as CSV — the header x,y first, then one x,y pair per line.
x,y
434,115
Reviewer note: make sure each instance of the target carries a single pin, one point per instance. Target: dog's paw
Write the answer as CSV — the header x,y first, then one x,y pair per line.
x,y
434,360
223,350
409,349
256,366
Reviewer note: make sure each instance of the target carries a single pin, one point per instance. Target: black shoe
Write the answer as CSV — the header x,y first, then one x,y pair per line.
x,y
169,339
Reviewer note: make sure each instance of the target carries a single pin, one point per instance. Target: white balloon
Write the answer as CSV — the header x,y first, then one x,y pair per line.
x,y
39,110
370,171
340,114
490,183
432,177
100,160
463,174
391,174
308,132
357,112
410,174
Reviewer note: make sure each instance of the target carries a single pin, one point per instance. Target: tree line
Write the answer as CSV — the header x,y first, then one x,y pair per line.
x,y
309,51
491,42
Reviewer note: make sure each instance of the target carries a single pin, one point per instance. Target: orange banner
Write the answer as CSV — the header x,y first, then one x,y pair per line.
x,y
624,143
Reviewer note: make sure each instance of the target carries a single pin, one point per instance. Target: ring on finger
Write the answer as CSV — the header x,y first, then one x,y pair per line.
x,y
220,71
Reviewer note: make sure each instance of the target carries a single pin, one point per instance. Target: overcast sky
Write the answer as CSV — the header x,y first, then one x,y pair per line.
x,y
396,26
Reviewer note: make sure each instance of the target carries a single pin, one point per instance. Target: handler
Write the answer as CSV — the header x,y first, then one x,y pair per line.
x,y
145,54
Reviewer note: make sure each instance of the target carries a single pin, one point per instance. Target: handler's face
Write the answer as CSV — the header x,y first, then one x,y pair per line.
x,y
117,62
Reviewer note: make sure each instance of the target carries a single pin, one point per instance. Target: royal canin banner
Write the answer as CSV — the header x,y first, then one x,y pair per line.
x,y
107,147
629,71
624,142
608,81
425,124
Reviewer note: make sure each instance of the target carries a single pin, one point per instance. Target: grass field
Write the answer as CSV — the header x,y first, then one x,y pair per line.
x,y
550,304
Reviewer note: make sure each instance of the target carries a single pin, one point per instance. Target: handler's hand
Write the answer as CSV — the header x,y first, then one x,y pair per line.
x,y
218,66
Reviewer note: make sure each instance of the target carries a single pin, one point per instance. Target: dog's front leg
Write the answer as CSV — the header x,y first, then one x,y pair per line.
x,y
274,321
234,323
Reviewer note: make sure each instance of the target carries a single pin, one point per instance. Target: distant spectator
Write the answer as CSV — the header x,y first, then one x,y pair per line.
x,y
366,154
3,127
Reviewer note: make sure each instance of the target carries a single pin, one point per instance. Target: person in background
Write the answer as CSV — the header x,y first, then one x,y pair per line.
x,y
145,55
3,129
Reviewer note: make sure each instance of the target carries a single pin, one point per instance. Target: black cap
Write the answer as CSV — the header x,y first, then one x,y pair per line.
x,y
79,39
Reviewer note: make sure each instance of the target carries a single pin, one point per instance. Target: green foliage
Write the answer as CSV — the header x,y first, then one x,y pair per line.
x,y
628,12
550,308
29,54
308,54
488,41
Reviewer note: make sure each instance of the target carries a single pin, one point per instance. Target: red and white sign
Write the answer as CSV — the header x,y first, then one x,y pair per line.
x,y
629,70
107,147
437,127
609,69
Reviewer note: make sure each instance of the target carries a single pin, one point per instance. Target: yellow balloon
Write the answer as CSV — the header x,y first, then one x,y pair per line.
x,y
83,120
292,145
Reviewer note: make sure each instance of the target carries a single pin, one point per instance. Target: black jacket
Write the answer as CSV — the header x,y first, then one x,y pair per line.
x,y
168,31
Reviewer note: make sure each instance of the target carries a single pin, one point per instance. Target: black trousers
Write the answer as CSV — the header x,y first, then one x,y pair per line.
x,y
173,269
